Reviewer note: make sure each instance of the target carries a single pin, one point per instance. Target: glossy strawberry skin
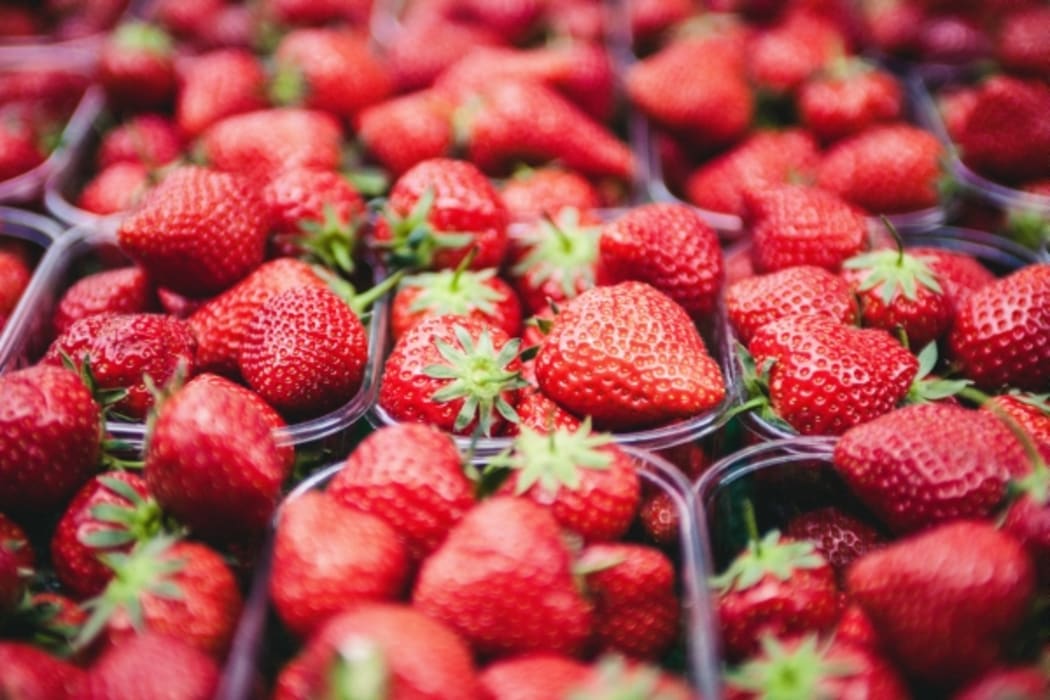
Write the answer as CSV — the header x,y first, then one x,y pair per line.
x,y
783,56
931,463
116,189
836,535
300,195
427,45
836,107
137,70
541,413
406,130
151,663
1022,44
35,675
13,539
149,139
945,601
1001,333
547,191
15,273
1009,154
216,85
1028,520
610,372
532,677
958,274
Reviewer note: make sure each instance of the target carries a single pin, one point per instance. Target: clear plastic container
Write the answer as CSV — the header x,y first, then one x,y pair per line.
x,y
80,48
998,254
36,233
64,183
88,249
260,641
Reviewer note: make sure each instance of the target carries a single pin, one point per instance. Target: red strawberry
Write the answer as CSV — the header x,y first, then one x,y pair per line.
x,y
304,351
137,67
926,464
316,12
19,152
407,130
198,232
946,601
827,377
152,665
763,159
590,485
795,225
848,99
109,514
628,356
953,39
31,674
503,580
886,169
1018,683
777,586
782,57
328,557
836,535
1014,153
540,413
15,273
957,273
855,628
426,45
671,248
650,18
14,540
612,675
479,295
532,677
149,139
391,647
1001,333
533,193
124,290
633,589
212,462
755,301
806,669
186,17
330,70
455,373
955,105
49,438
1022,45
118,188
511,20
1030,412
218,84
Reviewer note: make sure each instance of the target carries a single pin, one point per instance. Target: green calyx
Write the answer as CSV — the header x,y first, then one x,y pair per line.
x,y
105,398
555,459
767,557
561,248
457,292
892,272
1028,228
142,36
618,681
478,375
358,671
140,520
288,85
926,387
756,390
330,241
789,674
413,240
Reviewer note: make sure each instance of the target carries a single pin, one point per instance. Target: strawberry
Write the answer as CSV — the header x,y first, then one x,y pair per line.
x,y
796,225
945,601
304,351
855,628
783,56
19,152
953,39
197,232
110,513
806,669
1001,333
15,273
836,535
1021,42
221,324
216,85
540,413
183,589
511,121
212,462
669,247
555,259
1031,412
407,130
955,105
885,169
49,438
511,20
763,159
328,557
755,301
118,188
426,45
776,586
261,144
633,589
14,540
389,649
480,295
613,675
316,12
456,373
124,290
1019,683
957,273
532,677
532,193
848,99
149,139
628,356
923,465
1014,153
651,18
330,70
186,17
826,376
438,211
590,484
137,67
32,674
503,580
152,665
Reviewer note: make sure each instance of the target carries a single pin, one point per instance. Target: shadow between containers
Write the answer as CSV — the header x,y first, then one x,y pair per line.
x,y
37,231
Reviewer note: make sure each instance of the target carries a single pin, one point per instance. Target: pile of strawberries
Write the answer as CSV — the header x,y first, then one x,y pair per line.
x,y
23,21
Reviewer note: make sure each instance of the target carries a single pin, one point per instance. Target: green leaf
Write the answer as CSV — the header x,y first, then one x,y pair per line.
x,y
105,539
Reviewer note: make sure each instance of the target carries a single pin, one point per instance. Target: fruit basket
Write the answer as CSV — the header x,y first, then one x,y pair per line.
x,y
24,238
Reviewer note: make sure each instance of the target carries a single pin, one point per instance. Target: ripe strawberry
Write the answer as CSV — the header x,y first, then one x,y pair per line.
x,y
532,193
32,674
136,66
590,485
437,212
926,464
755,301
455,373
14,540
1019,683
763,159
221,324
317,12
394,648
651,18
540,413
848,99
426,45
805,668
406,130
885,169
15,273
1014,153
1001,333
628,356
532,677
212,462
152,665
1030,412
776,586
953,39
330,70
633,589
513,121
955,105
836,535
612,675
511,20
49,438
149,139
855,628
783,56
186,17
796,225
216,85
957,273
304,351
328,557
1021,41
198,232
555,259
479,295
945,601
170,587
503,580
109,514
19,152
118,188
124,290
261,144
